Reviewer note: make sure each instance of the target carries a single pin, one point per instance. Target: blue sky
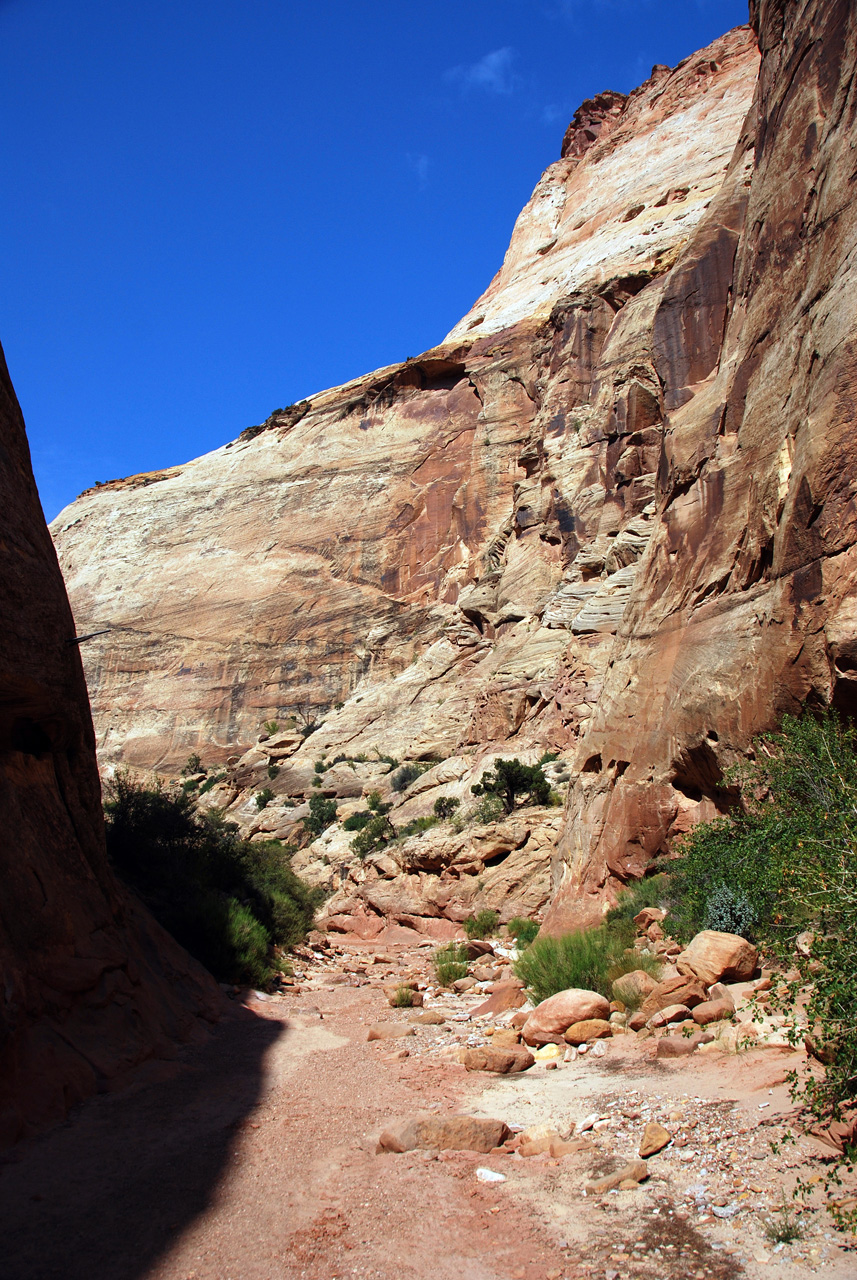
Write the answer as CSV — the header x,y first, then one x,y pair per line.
x,y
213,208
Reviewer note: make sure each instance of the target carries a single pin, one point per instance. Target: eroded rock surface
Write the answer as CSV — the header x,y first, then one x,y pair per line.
x,y
611,514
92,985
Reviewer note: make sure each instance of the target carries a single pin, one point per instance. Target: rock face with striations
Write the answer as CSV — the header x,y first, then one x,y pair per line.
x,y
92,985
611,514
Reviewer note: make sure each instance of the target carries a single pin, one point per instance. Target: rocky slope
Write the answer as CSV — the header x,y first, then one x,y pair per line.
x,y
610,514
92,986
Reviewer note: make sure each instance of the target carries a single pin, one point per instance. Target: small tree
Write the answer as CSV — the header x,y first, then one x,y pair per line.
x,y
511,779
321,814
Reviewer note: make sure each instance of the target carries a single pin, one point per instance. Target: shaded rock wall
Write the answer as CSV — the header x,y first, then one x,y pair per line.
x,y
91,985
744,605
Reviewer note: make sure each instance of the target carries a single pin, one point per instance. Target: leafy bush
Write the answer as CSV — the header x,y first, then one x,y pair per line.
x,y
194,765
729,911
321,814
489,809
402,778
445,807
403,997
482,925
450,963
273,770
264,797
524,931
212,781
510,780
357,821
319,766
587,958
226,900
270,727
548,757
377,833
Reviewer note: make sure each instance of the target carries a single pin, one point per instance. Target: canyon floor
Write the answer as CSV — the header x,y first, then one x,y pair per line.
x,y
253,1157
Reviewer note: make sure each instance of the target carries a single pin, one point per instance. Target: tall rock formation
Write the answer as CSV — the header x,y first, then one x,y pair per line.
x,y
744,605
91,985
609,514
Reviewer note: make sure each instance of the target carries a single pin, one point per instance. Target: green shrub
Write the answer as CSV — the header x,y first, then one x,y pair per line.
x,y
489,809
226,900
403,998
482,925
319,766
211,781
790,851
321,814
587,958
194,765
264,797
357,821
729,911
402,778
445,807
524,931
510,780
273,770
270,727
374,802
548,757
377,833
450,963
190,784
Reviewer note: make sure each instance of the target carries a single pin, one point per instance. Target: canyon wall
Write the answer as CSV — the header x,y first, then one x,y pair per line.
x,y
91,985
610,514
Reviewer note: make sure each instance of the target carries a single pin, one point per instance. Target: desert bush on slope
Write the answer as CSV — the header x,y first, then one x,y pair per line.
x,y
228,901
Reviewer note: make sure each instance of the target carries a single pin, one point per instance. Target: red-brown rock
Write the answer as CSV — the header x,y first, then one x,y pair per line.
x,y
503,1061
715,957
444,1133
550,1020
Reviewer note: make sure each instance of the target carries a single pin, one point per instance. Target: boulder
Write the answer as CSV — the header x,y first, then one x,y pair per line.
x,y
678,990
389,1030
430,1018
633,988
634,1172
444,1133
550,1020
672,1013
478,947
680,1046
713,1011
506,1038
655,1138
506,995
589,1029
503,1061
714,957
648,916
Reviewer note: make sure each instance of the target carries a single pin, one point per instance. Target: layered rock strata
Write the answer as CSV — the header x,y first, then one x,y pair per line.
x,y
610,514
91,984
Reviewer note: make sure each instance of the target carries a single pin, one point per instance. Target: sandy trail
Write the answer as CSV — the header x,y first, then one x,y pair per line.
x,y
253,1158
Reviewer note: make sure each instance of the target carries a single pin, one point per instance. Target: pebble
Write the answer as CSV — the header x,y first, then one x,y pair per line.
x,y
489,1175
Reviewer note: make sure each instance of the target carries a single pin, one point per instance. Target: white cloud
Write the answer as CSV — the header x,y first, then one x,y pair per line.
x,y
493,73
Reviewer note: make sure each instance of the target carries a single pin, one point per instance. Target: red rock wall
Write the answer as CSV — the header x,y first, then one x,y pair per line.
x,y
91,984
744,606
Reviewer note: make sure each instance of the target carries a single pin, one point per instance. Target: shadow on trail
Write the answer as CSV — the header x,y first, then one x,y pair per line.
x,y
106,1194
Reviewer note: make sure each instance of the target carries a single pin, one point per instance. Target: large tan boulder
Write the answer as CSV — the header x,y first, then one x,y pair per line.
x,y
713,957
633,988
444,1133
688,991
588,1030
550,1020
503,1061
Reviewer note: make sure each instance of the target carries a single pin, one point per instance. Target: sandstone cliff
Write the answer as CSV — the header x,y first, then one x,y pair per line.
x,y
610,514
91,985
